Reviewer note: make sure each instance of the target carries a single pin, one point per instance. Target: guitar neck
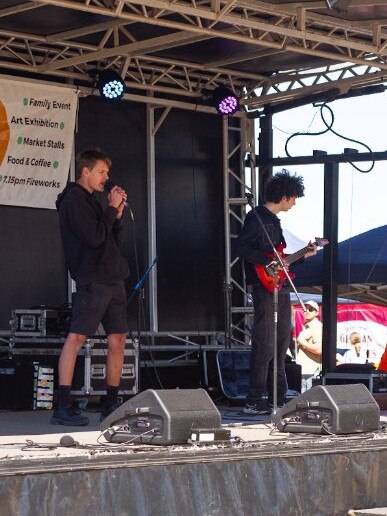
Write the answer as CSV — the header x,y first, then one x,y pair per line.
x,y
297,255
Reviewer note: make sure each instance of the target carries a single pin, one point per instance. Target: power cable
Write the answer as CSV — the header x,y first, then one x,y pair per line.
x,y
329,128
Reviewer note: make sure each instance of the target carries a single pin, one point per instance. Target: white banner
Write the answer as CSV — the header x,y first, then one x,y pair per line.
x,y
36,138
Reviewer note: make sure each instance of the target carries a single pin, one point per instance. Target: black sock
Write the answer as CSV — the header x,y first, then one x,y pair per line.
x,y
64,396
111,395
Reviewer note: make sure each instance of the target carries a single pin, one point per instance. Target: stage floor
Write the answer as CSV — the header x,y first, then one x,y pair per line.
x,y
24,434
260,471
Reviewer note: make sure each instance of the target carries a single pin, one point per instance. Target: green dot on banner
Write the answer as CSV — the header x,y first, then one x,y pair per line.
x,y
55,164
25,101
20,140
1,178
62,125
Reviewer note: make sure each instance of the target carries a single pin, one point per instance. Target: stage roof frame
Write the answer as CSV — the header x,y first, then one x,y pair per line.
x,y
268,52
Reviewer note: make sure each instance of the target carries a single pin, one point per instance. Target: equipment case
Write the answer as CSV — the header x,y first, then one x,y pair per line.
x,y
90,375
39,322
233,368
375,381
90,368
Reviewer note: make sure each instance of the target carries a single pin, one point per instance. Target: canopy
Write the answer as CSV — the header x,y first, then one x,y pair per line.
x,y
362,268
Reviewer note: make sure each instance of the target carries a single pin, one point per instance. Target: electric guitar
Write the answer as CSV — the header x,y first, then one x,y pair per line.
x,y
268,274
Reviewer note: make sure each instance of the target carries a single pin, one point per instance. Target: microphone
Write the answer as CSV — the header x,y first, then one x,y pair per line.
x,y
67,441
108,186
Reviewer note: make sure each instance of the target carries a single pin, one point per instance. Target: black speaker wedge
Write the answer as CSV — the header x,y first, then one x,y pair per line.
x,y
161,417
330,409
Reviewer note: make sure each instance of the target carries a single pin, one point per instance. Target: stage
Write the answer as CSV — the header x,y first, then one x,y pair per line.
x,y
259,471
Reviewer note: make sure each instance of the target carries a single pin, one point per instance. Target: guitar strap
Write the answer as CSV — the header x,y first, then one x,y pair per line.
x,y
266,233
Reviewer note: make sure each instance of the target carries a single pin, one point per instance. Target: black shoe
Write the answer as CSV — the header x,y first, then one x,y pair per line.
x,y
69,417
256,409
107,410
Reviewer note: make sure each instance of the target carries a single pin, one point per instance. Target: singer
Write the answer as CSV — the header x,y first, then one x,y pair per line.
x,y
91,238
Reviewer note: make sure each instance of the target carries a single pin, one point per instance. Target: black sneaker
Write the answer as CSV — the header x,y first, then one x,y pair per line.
x,y
68,416
256,409
107,410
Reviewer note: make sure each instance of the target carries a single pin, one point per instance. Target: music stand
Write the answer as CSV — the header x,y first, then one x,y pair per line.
x,y
139,291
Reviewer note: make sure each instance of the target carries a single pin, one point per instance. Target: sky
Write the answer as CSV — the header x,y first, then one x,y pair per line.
x,y
362,196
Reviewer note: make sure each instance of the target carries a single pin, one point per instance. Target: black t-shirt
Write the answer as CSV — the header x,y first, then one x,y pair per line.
x,y
253,245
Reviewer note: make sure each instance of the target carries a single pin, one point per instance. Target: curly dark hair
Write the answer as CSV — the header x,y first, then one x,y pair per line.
x,y
283,184
89,158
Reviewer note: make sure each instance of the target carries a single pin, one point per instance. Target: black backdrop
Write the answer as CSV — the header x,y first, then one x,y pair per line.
x,y
32,267
189,215
190,229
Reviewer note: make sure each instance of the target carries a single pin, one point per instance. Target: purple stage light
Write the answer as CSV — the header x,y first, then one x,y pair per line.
x,y
225,101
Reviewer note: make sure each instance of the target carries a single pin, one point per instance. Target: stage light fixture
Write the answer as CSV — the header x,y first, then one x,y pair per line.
x,y
110,84
225,101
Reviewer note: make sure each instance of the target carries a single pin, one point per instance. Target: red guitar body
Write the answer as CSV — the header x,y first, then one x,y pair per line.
x,y
267,275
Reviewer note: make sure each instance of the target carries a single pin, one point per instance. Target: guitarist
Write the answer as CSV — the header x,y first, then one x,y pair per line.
x,y
252,245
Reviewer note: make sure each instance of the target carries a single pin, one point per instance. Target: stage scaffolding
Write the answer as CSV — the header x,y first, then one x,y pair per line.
x,y
240,188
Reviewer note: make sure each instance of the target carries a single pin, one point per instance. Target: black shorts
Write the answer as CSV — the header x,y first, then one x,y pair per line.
x,y
97,303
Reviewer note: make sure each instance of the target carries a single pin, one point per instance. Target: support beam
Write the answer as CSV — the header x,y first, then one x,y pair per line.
x,y
265,153
149,45
330,266
152,227
27,6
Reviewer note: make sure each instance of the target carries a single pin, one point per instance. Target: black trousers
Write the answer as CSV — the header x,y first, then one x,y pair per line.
x,y
262,346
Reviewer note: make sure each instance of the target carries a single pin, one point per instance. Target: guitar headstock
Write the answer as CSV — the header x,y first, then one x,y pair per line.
x,y
320,242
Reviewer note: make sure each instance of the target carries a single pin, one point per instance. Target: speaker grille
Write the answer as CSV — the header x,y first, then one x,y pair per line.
x,y
337,409
181,400
356,394
161,417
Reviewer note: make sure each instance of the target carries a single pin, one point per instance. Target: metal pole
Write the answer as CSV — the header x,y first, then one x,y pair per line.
x,y
227,285
330,265
265,153
152,228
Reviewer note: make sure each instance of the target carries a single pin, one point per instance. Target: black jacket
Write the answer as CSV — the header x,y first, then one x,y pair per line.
x,y
91,237
252,244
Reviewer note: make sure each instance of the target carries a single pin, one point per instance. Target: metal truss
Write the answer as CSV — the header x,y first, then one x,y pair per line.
x,y
240,189
266,29
296,84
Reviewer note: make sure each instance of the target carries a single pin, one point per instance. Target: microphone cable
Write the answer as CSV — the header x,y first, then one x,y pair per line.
x,y
141,320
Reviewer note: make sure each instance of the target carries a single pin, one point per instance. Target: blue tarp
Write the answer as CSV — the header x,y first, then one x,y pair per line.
x,y
362,259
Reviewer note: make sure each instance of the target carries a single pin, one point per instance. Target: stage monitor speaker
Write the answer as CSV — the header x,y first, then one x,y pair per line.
x,y
333,409
161,417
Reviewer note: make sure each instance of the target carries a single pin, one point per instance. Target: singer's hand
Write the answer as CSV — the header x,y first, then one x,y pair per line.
x,y
117,196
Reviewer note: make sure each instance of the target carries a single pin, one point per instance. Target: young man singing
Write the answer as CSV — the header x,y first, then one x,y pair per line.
x,y
91,238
